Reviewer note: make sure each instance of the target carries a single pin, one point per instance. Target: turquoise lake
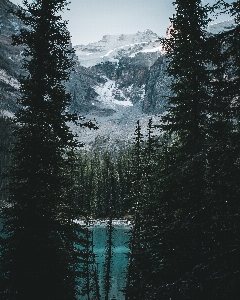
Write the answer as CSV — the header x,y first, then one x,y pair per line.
x,y
119,262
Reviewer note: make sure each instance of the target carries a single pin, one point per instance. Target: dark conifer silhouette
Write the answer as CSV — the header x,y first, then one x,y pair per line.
x,y
40,259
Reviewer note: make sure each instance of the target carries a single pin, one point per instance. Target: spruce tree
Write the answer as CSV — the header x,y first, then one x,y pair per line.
x,y
135,280
39,258
182,197
144,195
185,51
223,170
200,169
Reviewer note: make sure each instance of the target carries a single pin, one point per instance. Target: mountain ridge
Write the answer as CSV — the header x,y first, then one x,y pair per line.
x,y
114,47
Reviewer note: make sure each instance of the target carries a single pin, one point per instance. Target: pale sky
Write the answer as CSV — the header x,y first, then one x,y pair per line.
x,y
89,20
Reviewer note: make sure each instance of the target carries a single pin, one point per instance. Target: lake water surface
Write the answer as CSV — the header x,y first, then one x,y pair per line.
x,y
120,260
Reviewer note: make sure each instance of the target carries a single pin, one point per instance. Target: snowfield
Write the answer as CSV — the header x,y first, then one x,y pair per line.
x,y
106,94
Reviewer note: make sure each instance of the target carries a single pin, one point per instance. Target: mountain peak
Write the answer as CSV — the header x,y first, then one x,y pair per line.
x,y
113,47
120,39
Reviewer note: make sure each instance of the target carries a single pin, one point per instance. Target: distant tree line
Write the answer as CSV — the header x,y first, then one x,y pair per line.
x,y
107,184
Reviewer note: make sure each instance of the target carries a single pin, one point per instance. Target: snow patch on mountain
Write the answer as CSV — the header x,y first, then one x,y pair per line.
x,y
115,132
110,95
7,114
9,79
149,50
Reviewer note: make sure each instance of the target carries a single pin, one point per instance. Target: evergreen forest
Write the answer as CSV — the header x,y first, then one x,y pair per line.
x,y
178,181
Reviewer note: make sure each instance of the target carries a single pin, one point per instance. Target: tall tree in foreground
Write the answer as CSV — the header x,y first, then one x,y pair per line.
x,y
199,210
39,257
181,212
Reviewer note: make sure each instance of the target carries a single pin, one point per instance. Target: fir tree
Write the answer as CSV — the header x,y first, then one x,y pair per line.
x,y
90,285
199,171
39,257
182,197
135,280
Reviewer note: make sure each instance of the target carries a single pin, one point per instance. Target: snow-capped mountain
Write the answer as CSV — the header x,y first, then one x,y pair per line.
x,y
117,80
123,62
133,68
113,47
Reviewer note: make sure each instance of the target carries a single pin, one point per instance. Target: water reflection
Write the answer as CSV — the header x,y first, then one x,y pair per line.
x,y
120,250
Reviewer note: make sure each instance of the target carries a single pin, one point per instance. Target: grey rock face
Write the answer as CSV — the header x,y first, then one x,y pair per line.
x,y
9,24
124,61
81,87
10,58
157,88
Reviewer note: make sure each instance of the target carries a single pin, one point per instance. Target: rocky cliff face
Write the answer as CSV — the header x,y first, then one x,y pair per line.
x,y
81,81
157,88
10,58
9,24
81,86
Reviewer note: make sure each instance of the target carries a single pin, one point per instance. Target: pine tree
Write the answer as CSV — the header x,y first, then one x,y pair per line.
x,y
199,170
145,194
39,258
123,166
136,278
182,197
90,285
222,173
186,112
